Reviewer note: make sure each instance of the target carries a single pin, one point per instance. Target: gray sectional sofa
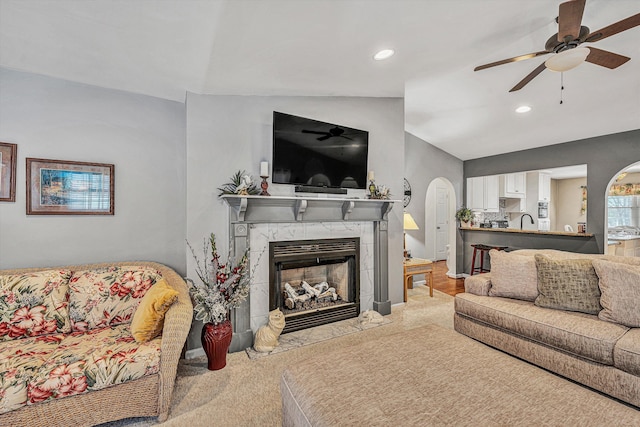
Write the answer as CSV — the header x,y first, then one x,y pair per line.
x,y
573,314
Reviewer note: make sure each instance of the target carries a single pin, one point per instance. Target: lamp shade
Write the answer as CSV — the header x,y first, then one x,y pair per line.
x,y
568,59
409,222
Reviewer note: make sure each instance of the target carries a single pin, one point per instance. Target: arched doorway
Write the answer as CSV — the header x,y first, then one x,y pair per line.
x,y
622,210
440,226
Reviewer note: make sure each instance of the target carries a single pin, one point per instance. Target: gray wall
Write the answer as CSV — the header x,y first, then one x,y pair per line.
x,y
604,156
423,164
143,136
230,133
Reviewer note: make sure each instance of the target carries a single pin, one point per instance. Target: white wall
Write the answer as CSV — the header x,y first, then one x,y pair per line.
x,y
230,133
143,136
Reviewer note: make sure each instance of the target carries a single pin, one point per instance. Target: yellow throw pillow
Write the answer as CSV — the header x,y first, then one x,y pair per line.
x,y
148,319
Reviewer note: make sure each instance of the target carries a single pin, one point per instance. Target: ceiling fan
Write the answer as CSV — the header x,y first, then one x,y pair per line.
x,y
334,132
564,44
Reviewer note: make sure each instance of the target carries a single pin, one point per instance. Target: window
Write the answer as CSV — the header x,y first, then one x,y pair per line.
x,y
624,210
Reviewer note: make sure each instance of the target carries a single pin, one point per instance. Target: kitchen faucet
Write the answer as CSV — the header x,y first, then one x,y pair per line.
x,y
522,217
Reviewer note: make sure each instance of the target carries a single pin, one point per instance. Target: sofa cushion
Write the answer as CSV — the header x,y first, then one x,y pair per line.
x,y
93,360
107,296
19,360
626,353
620,286
149,316
580,334
478,284
567,284
34,304
513,276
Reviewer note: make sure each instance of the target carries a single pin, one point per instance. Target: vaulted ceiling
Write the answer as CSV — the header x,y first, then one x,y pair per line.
x,y
165,48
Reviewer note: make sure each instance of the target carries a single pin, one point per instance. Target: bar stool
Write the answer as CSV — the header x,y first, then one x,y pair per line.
x,y
483,249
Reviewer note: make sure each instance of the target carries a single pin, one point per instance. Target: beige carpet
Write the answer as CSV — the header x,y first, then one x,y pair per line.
x,y
246,392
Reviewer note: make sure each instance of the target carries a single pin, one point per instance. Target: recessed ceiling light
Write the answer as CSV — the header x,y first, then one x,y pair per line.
x,y
383,54
523,109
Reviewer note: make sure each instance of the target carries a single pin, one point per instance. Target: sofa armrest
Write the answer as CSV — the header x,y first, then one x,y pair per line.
x,y
177,323
478,284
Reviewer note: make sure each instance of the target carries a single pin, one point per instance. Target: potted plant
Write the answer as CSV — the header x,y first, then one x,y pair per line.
x,y
464,215
223,286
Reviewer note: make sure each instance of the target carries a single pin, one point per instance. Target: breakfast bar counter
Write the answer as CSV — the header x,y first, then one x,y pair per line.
x,y
536,232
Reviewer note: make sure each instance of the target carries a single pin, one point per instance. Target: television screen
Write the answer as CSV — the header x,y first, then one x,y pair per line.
x,y
312,153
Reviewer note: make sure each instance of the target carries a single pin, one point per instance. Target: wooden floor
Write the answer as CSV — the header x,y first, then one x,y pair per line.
x,y
443,283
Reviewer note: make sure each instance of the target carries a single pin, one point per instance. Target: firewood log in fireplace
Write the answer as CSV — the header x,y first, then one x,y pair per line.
x,y
331,292
311,291
321,287
294,295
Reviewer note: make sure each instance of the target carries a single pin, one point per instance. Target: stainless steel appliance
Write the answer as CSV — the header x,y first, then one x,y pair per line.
x,y
543,209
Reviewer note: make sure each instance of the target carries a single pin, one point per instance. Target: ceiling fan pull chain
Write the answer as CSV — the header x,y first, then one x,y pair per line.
x,y
561,85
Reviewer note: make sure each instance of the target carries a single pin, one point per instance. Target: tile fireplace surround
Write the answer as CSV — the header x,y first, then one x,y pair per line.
x,y
254,221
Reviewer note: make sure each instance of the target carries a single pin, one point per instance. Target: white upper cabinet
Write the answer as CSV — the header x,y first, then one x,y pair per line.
x,y
544,187
513,185
483,193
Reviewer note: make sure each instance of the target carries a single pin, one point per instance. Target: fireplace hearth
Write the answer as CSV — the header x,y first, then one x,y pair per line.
x,y
314,282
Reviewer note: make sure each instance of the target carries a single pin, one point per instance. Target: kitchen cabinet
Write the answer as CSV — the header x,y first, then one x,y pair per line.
x,y
624,246
514,205
544,187
628,247
513,185
483,193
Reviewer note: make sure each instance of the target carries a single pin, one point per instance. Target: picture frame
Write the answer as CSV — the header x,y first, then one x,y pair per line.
x,y
62,187
8,162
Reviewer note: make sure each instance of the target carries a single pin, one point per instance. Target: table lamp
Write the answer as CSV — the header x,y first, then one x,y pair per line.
x,y
409,224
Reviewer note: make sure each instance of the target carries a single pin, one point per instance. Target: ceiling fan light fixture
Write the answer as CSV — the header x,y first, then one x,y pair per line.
x,y
568,59
523,109
383,54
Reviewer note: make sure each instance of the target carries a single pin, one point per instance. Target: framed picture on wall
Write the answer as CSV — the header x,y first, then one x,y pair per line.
x,y
8,160
60,187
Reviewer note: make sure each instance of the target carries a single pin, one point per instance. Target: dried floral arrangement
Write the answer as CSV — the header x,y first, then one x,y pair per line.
x,y
223,285
381,193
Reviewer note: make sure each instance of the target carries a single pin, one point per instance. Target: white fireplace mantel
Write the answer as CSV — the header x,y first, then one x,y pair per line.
x,y
305,214
306,208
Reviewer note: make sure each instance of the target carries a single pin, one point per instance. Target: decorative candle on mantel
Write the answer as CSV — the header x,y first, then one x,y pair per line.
x,y
372,186
264,174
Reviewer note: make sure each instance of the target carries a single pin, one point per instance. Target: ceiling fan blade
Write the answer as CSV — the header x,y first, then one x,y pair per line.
x,y
514,59
569,19
605,58
324,138
529,77
315,132
618,27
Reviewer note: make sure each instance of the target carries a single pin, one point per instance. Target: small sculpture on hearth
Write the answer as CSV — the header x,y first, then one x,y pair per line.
x,y
266,339
370,316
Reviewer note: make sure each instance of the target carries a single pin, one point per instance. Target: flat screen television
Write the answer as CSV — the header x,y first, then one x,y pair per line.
x,y
315,155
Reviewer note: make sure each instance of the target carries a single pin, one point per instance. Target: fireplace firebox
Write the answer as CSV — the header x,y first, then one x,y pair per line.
x,y
314,282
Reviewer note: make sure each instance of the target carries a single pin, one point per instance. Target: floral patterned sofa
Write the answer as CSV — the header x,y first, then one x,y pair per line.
x,y
67,353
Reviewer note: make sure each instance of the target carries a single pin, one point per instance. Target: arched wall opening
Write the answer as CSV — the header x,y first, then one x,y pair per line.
x,y
622,210
440,205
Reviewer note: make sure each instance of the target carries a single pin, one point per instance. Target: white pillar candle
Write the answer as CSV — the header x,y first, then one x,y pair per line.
x,y
264,168
371,176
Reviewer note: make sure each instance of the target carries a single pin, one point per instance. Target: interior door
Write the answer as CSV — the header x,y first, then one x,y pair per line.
x,y
442,222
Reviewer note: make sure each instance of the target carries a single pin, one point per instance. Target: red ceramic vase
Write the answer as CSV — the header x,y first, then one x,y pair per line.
x,y
215,342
